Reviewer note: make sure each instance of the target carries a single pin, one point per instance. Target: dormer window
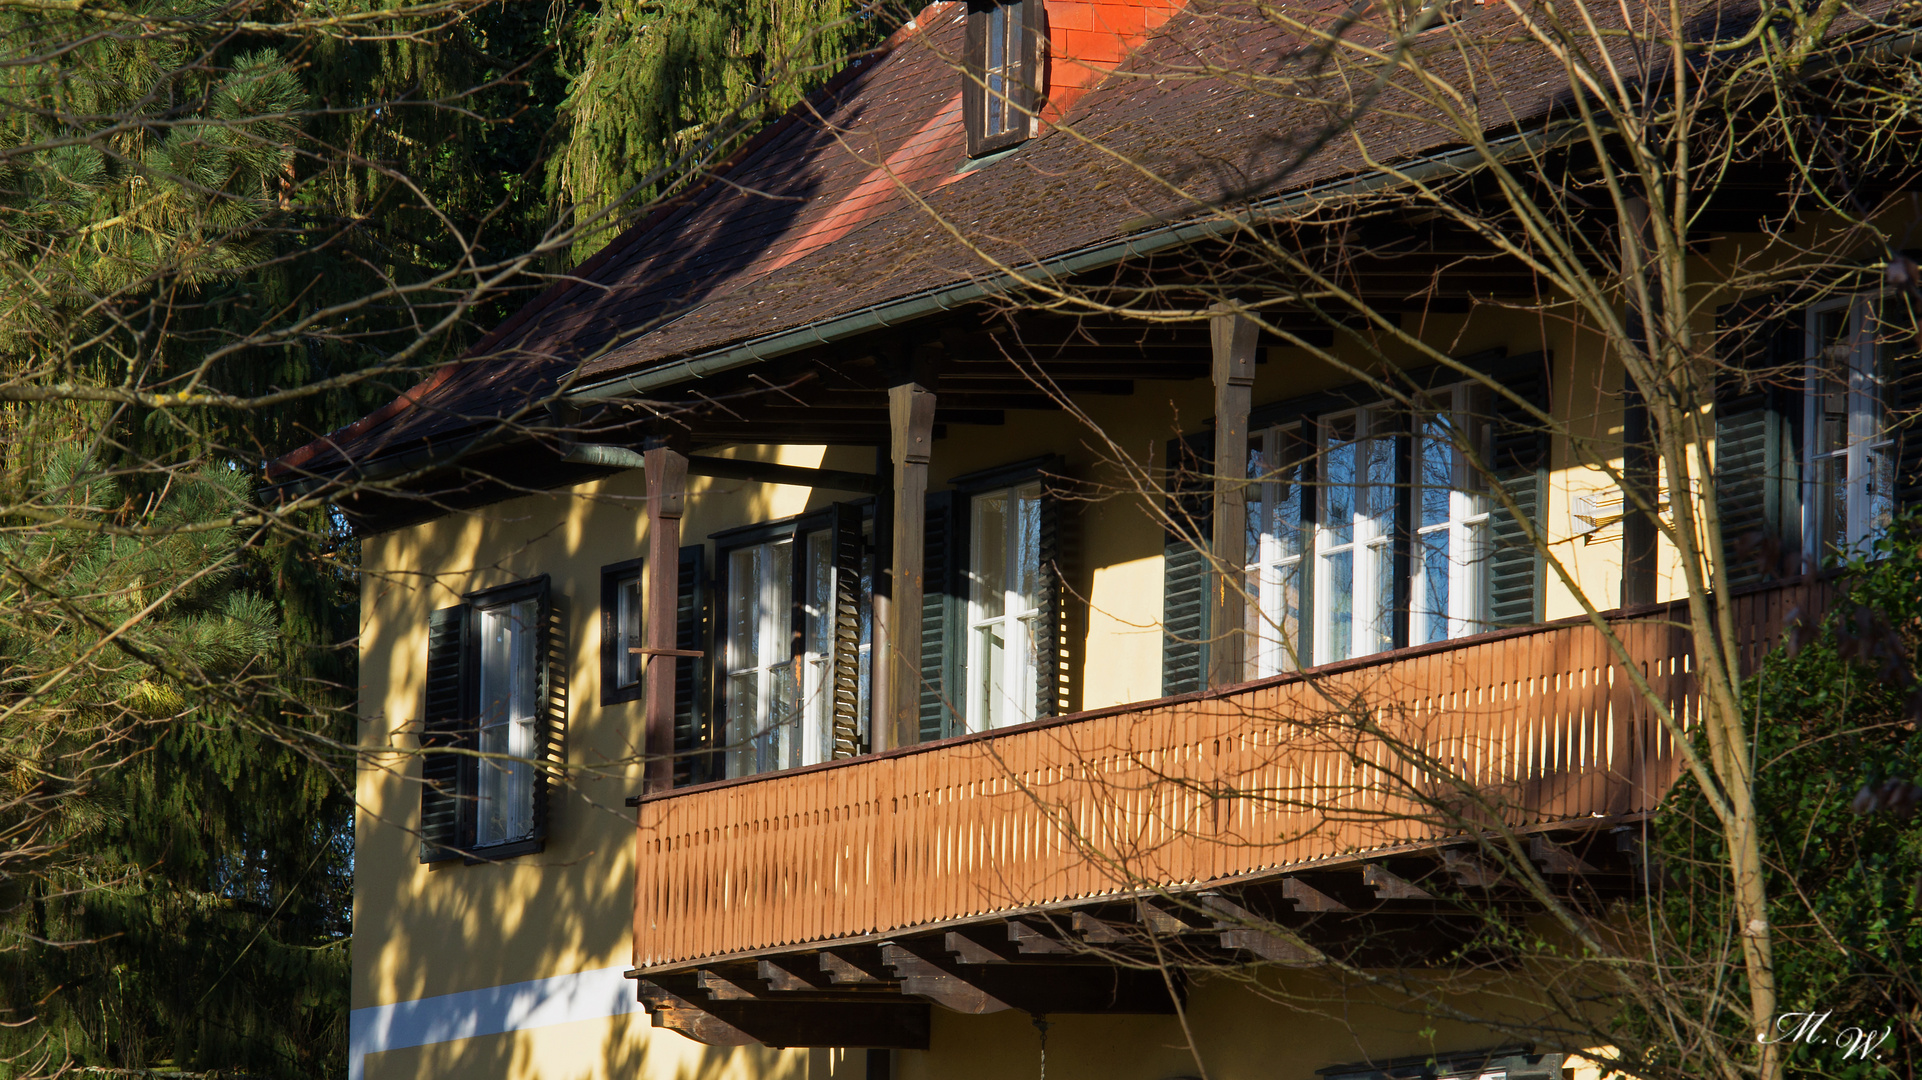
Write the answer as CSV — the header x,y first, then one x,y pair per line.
x,y
1002,82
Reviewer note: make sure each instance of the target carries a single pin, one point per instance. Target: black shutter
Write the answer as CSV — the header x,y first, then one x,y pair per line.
x,y
446,725
1905,398
690,672
846,550
550,645
1034,62
1184,599
973,77
1758,407
943,610
1051,697
1520,459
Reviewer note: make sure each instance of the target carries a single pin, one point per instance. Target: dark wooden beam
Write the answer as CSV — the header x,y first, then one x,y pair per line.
x,y
666,471
1234,378
911,411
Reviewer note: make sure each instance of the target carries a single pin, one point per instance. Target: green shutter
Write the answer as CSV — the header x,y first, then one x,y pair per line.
x,y
1184,564
690,672
846,552
1758,404
445,725
943,608
1520,452
1051,697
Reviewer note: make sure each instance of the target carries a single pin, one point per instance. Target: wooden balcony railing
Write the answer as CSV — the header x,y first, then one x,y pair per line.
x,y
1534,725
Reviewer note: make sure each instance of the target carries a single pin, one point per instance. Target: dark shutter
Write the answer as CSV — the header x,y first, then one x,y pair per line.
x,y
846,549
550,649
1520,459
1051,698
1184,598
1034,59
446,726
943,610
1758,406
1905,398
690,672
973,94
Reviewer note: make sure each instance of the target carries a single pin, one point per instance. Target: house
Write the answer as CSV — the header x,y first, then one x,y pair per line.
x,y
797,644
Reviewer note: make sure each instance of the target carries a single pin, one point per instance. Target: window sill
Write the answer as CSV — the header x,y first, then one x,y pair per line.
x,y
512,849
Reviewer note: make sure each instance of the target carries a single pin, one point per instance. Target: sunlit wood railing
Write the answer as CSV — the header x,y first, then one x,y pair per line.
x,y
1532,725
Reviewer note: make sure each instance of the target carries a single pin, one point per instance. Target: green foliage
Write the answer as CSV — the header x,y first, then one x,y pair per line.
x,y
176,873
1834,722
657,81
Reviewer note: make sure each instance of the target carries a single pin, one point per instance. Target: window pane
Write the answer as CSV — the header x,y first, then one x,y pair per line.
x,y
990,554
627,630
1026,571
991,648
509,691
743,620
1431,619
1437,478
1339,603
743,712
1339,475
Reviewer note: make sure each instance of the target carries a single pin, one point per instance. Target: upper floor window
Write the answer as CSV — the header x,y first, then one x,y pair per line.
x,y
1448,595
1851,453
1004,607
1278,462
795,643
621,658
1002,78
1354,553
491,698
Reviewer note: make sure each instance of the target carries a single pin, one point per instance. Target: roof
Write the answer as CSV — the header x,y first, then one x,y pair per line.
x,y
863,193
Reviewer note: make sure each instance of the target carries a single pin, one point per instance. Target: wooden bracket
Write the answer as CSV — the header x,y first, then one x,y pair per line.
x,y
1390,887
720,989
969,951
1556,859
641,650
1471,872
1032,941
1095,930
922,978
1309,898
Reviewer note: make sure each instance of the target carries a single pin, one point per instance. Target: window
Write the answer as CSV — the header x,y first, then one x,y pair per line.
x,y
509,707
1448,594
621,664
1277,461
491,702
1002,81
1004,607
1354,553
1370,527
760,698
796,639
1851,455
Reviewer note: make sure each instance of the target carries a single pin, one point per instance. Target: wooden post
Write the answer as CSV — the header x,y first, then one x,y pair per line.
x,y
880,671
911,412
1234,375
666,471
1638,457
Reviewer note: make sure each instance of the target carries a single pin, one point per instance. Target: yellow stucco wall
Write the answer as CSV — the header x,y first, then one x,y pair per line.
x,y
422,931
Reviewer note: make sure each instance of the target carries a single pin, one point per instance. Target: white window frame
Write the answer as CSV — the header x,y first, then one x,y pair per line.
x,y
1275,560
1013,668
760,601
1462,530
628,606
510,709
1867,446
1370,544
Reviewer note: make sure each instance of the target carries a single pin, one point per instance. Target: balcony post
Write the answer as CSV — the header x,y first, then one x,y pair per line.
x,y
1638,457
666,471
911,416
1234,337
880,671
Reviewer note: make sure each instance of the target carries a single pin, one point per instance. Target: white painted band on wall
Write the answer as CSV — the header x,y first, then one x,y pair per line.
x,y
561,999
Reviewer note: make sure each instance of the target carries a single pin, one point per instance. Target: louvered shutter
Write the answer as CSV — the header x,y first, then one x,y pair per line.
x,y
973,97
943,608
690,672
1757,403
1049,634
550,650
844,661
1905,398
1184,601
446,724
1520,445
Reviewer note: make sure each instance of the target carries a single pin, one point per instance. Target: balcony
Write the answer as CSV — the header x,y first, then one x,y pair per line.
x,y
1323,799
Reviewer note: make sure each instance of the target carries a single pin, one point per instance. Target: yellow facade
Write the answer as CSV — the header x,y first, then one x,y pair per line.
x,y
424,932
